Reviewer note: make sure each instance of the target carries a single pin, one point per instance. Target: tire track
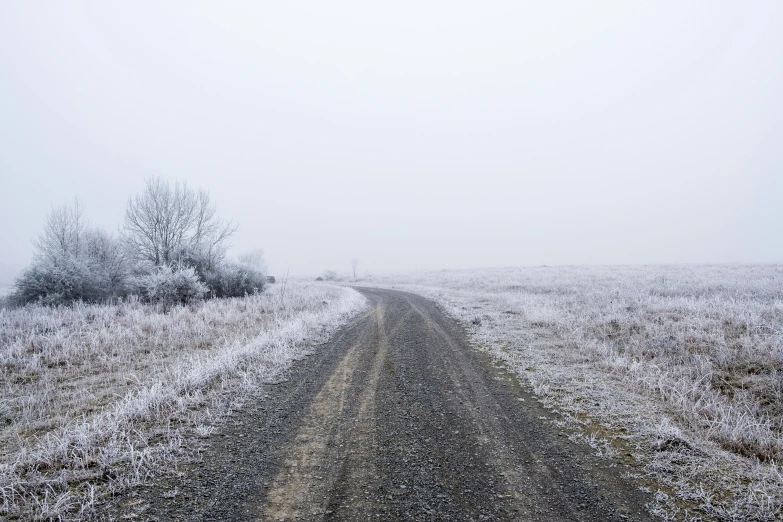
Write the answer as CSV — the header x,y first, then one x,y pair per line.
x,y
398,418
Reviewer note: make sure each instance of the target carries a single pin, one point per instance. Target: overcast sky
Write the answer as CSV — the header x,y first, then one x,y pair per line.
x,y
412,135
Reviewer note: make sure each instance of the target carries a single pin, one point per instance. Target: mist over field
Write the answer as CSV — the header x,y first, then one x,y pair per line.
x,y
424,261
445,135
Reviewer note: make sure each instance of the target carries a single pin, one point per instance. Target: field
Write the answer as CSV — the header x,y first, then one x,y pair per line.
x,y
97,398
676,368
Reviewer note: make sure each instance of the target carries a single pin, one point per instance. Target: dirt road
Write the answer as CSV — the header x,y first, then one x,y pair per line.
x,y
397,418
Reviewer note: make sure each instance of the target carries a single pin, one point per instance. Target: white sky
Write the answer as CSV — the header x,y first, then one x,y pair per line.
x,y
415,135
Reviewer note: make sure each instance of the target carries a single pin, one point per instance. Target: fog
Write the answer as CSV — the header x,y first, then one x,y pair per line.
x,y
411,136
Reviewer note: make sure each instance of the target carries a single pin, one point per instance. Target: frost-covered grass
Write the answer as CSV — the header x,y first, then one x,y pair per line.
x,y
681,366
95,398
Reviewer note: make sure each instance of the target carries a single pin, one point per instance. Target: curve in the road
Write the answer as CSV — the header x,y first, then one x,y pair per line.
x,y
398,418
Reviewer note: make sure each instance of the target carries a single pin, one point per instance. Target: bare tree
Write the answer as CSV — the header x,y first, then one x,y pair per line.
x,y
165,223
108,254
64,232
354,264
254,259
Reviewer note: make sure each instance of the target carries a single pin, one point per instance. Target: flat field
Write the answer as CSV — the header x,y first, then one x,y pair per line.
x,y
679,368
95,399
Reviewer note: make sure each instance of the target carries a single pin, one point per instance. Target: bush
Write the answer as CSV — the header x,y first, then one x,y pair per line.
x,y
171,285
77,262
61,280
235,280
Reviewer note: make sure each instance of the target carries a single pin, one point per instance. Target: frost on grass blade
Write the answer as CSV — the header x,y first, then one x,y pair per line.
x,y
687,360
98,397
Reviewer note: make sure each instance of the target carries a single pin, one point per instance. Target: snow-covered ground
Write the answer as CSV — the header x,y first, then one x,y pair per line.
x,y
680,366
93,398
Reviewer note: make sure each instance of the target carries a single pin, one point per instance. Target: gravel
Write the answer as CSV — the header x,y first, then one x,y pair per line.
x,y
397,417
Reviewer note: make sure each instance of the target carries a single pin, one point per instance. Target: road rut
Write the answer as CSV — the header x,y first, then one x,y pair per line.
x,y
398,418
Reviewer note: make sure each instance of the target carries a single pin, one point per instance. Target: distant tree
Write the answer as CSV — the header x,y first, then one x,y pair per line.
x,y
254,259
354,264
167,224
330,275
63,233
110,257
172,250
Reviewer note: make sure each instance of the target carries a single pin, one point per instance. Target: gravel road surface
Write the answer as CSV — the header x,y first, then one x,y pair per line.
x,y
395,418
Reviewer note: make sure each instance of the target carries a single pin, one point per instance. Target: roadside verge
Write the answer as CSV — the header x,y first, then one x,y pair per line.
x,y
101,398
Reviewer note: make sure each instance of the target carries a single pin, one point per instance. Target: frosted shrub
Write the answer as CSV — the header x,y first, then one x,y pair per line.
x,y
73,262
235,280
60,280
165,227
169,285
